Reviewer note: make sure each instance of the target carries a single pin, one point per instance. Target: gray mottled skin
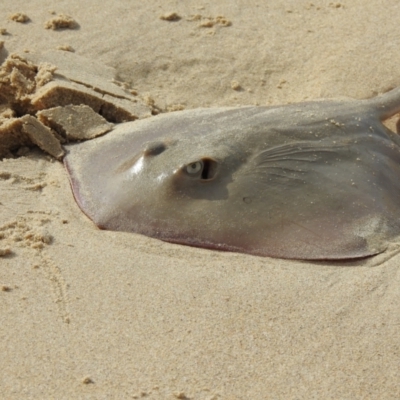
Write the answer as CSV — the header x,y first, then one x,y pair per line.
x,y
315,180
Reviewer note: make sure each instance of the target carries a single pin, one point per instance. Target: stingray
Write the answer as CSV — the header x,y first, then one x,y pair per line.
x,y
318,180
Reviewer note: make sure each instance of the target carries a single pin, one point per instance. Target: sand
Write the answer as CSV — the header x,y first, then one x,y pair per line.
x,y
90,314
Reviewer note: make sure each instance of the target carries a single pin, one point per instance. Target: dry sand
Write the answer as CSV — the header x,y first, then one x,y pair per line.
x,y
90,314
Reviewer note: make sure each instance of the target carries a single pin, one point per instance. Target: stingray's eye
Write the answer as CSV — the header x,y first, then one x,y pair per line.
x,y
205,169
194,168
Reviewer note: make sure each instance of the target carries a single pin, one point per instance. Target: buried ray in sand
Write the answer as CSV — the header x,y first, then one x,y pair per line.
x,y
315,180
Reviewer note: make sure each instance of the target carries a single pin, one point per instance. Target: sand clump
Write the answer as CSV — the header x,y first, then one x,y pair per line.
x,y
47,100
61,21
5,251
75,122
20,17
235,85
170,16
42,136
19,80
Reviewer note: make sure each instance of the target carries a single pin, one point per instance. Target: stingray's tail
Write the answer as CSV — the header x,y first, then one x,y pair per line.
x,y
386,104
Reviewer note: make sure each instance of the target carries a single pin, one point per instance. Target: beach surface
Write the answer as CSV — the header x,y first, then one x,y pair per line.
x,y
91,314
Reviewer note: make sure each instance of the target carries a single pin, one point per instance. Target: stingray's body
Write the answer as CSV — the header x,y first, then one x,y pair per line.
x,y
316,180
